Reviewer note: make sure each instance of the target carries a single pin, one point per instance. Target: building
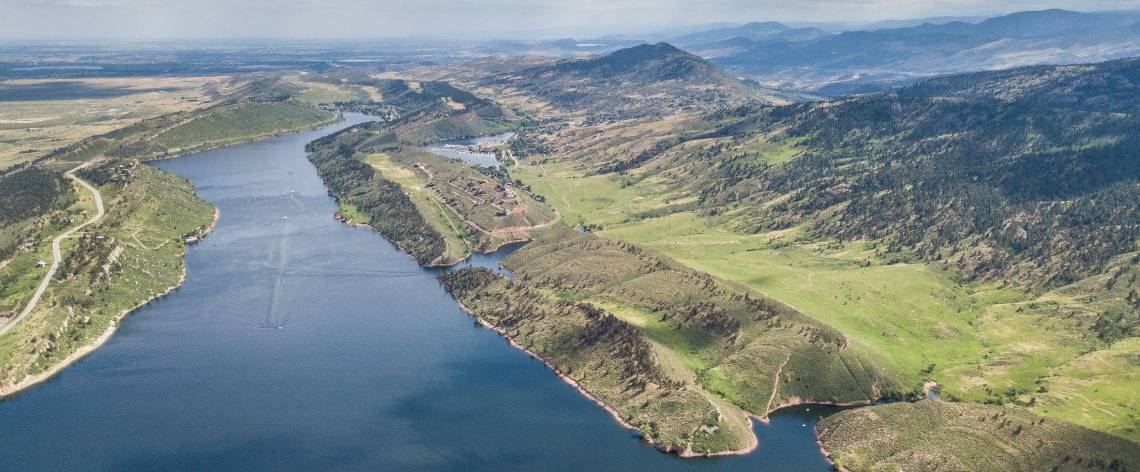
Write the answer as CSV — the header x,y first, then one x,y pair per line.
x,y
7,315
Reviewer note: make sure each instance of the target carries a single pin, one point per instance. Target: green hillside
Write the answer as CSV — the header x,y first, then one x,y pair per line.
x,y
702,335
934,435
978,231
606,357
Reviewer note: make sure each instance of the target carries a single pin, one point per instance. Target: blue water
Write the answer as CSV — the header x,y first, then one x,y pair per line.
x,y
300,343
457,149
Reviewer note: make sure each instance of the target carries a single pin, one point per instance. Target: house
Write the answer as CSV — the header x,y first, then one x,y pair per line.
x,y
41,263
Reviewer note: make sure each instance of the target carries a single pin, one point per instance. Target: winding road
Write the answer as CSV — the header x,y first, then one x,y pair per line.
x,y
56,255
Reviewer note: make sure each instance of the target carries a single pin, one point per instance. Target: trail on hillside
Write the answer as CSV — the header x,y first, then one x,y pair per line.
x,y
56,255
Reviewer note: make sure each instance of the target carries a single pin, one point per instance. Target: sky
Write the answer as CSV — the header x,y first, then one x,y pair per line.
x,y
466,19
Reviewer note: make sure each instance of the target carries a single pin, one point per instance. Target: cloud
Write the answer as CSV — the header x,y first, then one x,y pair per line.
x,y
27,19
93,3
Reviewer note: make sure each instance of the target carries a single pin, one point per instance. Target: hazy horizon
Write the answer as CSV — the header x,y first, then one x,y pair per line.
x,y
465,19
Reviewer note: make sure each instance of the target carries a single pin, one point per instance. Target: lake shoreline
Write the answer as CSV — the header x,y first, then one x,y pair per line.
x,y
339,117
753,445
565,378
89,348
433,264
823,451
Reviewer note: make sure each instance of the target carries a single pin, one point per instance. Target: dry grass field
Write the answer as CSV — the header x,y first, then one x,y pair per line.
x,y
37,116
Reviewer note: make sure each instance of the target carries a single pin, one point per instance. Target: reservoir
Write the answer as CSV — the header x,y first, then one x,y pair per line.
x,y
299,343
467,150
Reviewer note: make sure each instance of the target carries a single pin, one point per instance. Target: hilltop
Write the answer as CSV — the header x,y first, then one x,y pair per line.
x,y
638,81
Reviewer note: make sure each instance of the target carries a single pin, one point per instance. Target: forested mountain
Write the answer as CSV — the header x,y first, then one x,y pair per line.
x,y
430,97
1028,175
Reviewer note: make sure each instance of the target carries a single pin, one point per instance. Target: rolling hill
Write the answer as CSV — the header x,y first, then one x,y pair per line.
x,y
978,230
1025,175
644,80
933,435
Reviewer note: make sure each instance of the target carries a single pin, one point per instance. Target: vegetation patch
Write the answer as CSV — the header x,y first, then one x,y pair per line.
x,y
383,202
605,357
754,351
131,256
935,435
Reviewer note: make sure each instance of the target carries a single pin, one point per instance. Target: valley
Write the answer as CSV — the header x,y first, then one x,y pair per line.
x,y
910,308
928,233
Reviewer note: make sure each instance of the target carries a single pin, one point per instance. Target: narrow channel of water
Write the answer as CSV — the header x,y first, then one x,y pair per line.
x,y
299,343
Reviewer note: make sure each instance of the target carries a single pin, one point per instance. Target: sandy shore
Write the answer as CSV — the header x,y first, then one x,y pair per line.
x,y
31,381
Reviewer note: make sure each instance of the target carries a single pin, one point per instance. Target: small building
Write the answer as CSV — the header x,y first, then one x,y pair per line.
x,y
192,240
41,263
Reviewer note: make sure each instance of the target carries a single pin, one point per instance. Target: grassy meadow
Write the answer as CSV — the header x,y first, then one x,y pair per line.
x,y
979,342
38,116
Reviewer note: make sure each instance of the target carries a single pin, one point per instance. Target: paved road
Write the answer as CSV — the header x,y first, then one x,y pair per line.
x,y
56,256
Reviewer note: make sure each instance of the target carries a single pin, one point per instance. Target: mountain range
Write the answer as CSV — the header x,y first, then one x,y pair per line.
x,y
855,61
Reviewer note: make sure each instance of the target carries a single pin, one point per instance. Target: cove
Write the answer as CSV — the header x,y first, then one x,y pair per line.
x,y
299,343
462,149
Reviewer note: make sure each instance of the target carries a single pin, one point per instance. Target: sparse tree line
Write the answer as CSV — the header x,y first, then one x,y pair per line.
x,y
391,212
